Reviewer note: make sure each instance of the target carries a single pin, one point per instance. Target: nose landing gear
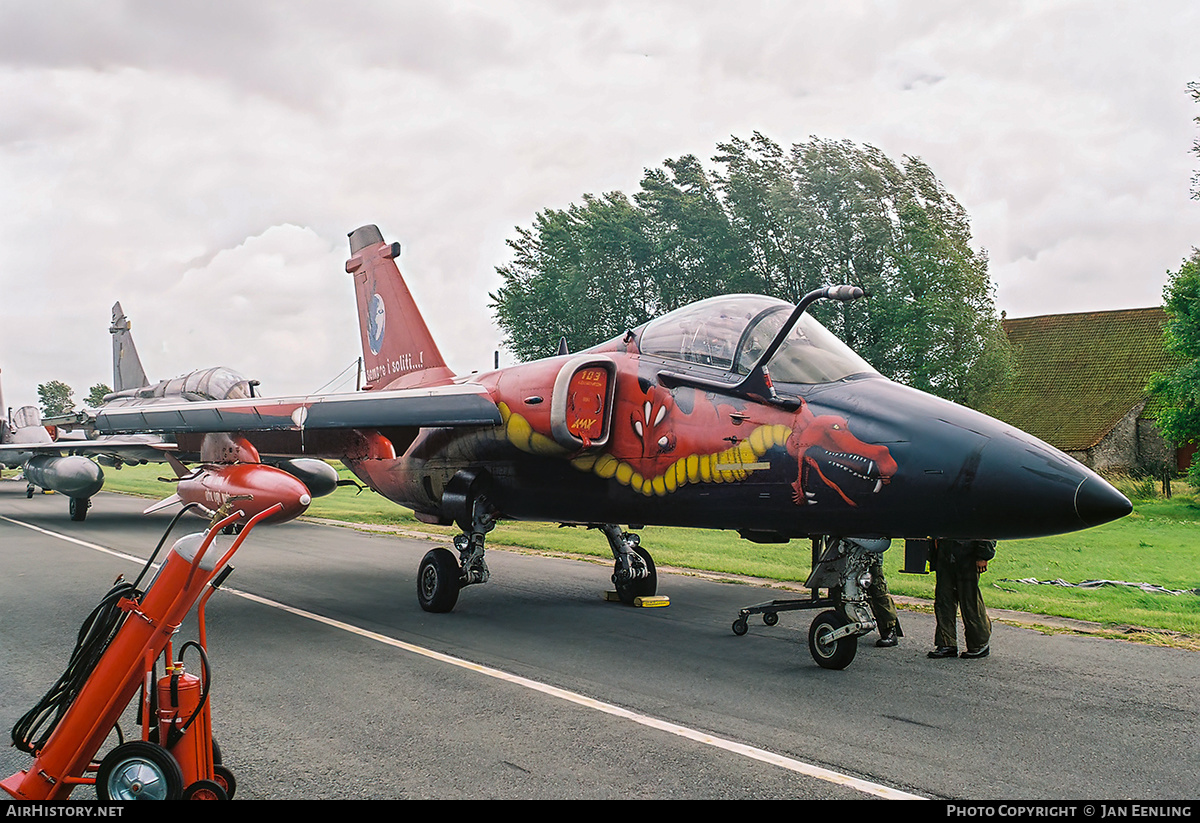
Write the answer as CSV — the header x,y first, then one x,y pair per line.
x,y
841,567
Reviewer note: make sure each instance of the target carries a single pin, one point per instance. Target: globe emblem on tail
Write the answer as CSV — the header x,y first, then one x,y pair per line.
x,y
376,321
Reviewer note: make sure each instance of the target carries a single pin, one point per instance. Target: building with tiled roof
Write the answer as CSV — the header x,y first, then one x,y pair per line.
x,y
1080,385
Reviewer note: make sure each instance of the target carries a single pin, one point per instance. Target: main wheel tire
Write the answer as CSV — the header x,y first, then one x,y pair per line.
x,y
139,771
438,581
79,508
644,587
205,790
831,654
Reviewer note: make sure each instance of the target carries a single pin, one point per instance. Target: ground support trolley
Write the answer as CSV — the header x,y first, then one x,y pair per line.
x,y
120,644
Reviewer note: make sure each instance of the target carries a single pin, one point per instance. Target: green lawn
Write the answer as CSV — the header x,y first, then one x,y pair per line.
x,y
1159,543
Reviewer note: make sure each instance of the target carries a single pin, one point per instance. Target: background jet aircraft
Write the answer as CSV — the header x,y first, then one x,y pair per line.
x,y
26,443
738,412
70,467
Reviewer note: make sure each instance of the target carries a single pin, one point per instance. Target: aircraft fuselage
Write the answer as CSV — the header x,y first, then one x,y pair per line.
x,y
861,456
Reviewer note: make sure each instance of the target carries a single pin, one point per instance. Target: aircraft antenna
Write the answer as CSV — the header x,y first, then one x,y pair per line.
x,y
342,375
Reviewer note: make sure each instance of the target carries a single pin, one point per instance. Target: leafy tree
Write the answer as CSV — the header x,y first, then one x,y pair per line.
x,y
835,212
774,222
96,395
55,397
581,273
697,251
1179,390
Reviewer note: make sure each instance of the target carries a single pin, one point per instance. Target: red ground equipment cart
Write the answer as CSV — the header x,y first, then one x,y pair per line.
x,y
119,646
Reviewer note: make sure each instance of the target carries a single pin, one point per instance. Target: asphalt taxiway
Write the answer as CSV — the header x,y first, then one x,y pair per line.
x,y
332,683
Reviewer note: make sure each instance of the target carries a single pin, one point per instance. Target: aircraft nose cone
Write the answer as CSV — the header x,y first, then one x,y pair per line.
x,y
961,473
1097,502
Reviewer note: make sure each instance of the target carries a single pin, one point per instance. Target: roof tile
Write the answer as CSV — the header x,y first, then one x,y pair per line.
x,y
1077,375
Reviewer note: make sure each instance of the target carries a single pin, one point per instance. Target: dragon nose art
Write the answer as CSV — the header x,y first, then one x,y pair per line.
x,y
1097,502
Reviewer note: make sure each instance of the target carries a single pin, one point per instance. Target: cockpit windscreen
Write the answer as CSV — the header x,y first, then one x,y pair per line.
x,y
730,333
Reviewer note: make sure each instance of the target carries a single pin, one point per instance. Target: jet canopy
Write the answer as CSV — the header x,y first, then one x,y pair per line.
x,y
730,333
218,383
26,417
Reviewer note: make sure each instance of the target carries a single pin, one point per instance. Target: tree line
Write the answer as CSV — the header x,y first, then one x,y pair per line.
x,y
775,221
56,397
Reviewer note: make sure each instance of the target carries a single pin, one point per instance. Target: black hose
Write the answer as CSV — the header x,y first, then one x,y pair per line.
x,y
34,728
163,540
175,733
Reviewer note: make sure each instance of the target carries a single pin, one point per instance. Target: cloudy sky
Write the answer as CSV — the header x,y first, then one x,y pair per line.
x,y
203,162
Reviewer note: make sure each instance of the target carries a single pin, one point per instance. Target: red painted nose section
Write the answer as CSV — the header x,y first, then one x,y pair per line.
x,y
259,486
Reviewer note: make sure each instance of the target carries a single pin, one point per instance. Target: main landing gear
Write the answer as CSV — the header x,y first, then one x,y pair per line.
x,y
79,507
440,576
842,567
633,571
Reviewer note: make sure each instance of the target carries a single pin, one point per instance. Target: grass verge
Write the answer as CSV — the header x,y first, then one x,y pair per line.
x,y
1158,544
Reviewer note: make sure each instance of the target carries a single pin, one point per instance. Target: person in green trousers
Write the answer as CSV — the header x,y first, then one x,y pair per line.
x,y
958,565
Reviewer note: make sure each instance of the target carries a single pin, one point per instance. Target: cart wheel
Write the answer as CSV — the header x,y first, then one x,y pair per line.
x,y
770,618
831,654
224,777
139,771
438,581
740,627
645,587
205,790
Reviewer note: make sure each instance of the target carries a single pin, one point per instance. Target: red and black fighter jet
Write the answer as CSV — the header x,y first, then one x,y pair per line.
x,y
739,412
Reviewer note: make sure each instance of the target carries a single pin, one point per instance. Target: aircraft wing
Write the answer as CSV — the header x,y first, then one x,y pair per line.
x,y
451,405
131,449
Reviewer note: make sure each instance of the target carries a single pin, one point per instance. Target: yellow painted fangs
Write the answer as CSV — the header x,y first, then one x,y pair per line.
x,y
729,466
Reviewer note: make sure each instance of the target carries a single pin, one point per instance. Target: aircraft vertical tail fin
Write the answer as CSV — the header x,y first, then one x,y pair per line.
x,y
127,366
398,350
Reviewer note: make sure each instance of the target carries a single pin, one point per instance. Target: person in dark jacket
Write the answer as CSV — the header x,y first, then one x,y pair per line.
x,y
958,564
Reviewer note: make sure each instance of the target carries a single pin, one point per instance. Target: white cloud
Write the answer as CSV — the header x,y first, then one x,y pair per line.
x,y
203,163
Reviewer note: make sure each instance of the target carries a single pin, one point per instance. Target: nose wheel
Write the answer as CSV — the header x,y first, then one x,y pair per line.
x,y
832,641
